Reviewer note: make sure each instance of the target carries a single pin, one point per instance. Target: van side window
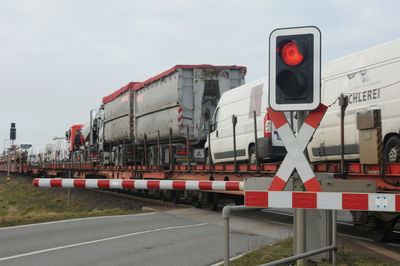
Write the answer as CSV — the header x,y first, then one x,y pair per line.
x,y
215,119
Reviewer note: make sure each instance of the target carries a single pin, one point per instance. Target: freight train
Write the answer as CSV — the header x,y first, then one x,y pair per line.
x,y
174,126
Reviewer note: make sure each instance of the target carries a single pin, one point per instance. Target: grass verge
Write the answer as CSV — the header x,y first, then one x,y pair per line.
x,y
284,248
21,203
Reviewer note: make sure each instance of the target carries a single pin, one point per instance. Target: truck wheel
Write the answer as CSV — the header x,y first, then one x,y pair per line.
x,y
252,155
392,150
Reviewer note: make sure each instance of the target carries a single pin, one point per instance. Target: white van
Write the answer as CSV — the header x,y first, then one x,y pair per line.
x,y
371,79
242,102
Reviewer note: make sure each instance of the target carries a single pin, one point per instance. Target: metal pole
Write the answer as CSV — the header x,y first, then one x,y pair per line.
x,y
255,139
334,231
343,102
187,148
209,147
300,214
226,250
226,213
171,160
145,149
158,150
234,122
69,190
91,131
8,162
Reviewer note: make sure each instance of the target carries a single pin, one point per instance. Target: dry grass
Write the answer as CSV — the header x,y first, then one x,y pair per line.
x,y
21,203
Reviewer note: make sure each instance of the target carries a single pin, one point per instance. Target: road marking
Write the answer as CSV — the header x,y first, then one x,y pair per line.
x,y
98,240
76,219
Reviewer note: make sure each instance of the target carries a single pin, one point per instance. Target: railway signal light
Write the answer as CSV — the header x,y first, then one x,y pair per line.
x,y
13,132
295,69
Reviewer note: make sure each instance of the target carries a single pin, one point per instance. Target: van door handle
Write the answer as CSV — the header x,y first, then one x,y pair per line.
x,y
216,133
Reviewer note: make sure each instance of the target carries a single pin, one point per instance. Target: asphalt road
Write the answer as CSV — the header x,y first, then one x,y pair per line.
x,y
178,237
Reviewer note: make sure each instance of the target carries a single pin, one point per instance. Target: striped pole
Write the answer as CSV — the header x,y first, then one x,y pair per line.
x,y
323,200
139,184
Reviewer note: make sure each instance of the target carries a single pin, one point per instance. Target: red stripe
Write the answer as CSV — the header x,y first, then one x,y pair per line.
x,y
153,184
180,118
205,185
312,185
278,184
178,184
355,201
35,182
80,183
128,183
56,183
316,116
103,183
232,186
304,200
180,109
256,199
398,203
278,118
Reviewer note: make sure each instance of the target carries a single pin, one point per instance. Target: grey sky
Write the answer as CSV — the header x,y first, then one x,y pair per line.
x,y
59,58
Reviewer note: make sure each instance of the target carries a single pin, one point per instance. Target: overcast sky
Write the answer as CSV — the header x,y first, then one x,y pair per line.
x,y
59,58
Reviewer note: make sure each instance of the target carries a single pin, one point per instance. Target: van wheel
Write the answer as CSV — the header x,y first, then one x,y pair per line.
x,y
392,150
252,155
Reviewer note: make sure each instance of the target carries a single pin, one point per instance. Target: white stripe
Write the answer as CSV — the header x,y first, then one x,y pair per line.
x,y
116,183
73,220
69,183
379,202
91,183
97,241
280,199
140,184
166,184
304,135
44,182
286,169
218,185
192,185
329,201
241,186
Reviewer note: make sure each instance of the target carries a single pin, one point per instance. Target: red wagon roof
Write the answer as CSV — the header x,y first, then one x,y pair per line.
x,y
117,93
138,85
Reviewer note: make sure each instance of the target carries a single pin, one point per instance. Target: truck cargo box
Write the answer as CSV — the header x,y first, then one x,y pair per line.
x,y
116,114
183,96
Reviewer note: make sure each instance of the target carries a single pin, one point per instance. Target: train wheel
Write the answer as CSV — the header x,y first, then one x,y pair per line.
x,y
392,150
378,225
213,201
382,231
175,197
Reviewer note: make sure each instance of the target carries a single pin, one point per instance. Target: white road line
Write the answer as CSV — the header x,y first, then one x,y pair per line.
x,y
97,241
76,219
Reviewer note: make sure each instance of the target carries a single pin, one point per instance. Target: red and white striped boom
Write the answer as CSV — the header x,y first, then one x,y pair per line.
x,y
139,184
323,200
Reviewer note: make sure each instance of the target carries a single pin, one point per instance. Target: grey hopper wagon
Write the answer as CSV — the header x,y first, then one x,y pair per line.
x,y
181,98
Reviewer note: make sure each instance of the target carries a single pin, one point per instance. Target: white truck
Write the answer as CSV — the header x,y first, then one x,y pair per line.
x,y
242,102
371,80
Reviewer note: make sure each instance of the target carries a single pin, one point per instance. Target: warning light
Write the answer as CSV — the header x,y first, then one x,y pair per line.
x,y
295,69
291,54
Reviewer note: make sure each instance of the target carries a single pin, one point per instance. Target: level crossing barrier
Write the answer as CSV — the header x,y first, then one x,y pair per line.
x,y
139,184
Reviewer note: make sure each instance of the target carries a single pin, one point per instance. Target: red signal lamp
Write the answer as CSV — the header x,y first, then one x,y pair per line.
x,y
291,54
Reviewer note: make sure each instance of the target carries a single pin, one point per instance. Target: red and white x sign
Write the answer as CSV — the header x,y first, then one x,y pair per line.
x,y
295,146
